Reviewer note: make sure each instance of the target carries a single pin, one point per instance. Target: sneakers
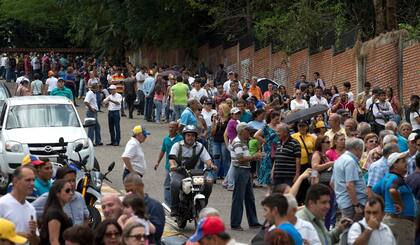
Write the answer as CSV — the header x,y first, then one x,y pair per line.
x,y
237,228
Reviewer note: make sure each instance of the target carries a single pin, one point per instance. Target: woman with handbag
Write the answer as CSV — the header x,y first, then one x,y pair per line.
x,y
323,165
269,139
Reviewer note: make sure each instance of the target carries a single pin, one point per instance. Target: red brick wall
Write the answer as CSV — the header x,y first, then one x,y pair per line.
x,y
230,57
203,54
321,62
343,68
382,66
262,63
246,57
215,57
298,65
411,71
279,68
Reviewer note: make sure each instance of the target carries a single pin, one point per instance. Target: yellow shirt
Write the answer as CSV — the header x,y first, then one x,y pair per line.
x,y
310,145
331,134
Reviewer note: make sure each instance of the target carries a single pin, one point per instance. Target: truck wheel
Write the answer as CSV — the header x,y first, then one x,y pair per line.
x,y
96,164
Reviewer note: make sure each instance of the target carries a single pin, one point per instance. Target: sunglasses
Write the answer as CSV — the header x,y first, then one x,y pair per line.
x,y
327,142
112,234
139,237
68,190
372,141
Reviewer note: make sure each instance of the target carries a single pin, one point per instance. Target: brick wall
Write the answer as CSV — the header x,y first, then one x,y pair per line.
x,y
261,63
382,66
246,56
343,68
321,62
230,56
411,71
279,68
298,65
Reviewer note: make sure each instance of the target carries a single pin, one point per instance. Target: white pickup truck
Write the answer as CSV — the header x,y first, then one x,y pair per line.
x,y
34,124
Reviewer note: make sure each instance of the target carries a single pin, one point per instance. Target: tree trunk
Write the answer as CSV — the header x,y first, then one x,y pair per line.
x,y
379,17
391,15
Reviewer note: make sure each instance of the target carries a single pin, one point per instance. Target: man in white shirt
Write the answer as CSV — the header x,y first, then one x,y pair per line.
x,y
370,230
317,99
91,103
36,85
197,92
347,87
51,82
231,76
306,229
133,156
14,206
114,106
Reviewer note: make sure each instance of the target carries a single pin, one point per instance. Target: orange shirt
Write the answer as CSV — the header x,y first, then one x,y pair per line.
x,y
256,91
116,80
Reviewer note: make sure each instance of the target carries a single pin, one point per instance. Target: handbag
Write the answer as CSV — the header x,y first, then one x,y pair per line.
x,y
307,152
325,175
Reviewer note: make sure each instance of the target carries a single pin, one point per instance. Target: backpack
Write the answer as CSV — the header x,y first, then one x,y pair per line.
x,y
370,118
345,234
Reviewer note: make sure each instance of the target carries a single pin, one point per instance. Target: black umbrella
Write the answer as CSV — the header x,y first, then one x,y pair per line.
x,y
167,72
305,114
263,84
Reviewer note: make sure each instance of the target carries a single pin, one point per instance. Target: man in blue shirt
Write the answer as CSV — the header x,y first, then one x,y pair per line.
x,y
275,212
43,175
168,141
400,204
188,116
148,87
378,169
349,184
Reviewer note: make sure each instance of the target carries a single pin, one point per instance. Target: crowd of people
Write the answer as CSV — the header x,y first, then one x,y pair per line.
x,y
349,174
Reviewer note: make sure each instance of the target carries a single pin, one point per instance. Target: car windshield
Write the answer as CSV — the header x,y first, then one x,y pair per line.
x,y
3,94
49,115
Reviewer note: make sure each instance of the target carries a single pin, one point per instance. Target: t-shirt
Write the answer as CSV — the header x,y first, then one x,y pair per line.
x,y
60,216
197,94
91,99
307,231
134,151
310,145
256,124
285,159
414,123
188,117
52,83
392,180
41,186
239,149
36,87
207,115
294,105
129,85
253,146
246,116
18,213
180,93
291,230
413,180
167,144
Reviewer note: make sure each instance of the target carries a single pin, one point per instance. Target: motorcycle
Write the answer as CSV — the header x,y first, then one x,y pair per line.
x,y
88,182
191,197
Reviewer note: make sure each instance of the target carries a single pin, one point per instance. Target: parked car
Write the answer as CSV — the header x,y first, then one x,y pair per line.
x,y
34,124
4,94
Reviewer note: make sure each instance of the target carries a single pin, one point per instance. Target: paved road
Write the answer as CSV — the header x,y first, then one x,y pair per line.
x,y
220,198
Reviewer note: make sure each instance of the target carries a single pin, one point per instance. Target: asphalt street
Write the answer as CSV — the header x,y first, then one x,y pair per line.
x,y
220,198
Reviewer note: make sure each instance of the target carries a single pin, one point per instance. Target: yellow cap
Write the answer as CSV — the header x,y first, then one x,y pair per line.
x,y
320,124
139,129
8,232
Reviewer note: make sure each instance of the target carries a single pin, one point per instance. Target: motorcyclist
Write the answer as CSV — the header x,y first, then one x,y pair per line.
x,y
187,153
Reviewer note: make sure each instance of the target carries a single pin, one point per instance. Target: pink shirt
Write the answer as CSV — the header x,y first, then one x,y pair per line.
x,y
332,154
159,96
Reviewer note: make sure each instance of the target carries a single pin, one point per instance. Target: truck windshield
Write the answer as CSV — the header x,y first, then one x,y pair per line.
x,y
48,115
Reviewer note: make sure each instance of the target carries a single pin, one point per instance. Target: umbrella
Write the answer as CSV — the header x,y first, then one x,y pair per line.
x,y
167,72
305,114
263,84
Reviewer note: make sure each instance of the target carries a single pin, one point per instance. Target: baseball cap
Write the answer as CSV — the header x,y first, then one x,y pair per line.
x,y
394,157
412,136
250,99
320,124
112,87
241,126
211,225
208,101
140,129
234,110
32,159
8,232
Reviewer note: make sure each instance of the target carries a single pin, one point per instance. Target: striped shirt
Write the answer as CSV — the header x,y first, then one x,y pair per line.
x,y
285,159
239,149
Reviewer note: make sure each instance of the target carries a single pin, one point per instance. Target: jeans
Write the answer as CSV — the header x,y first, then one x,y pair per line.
x,y
141,100
149,108
99,99
94,132
221,158
178,111
169,113
158,110
229,177
167,188
243,193
129,99
82,89
114,126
